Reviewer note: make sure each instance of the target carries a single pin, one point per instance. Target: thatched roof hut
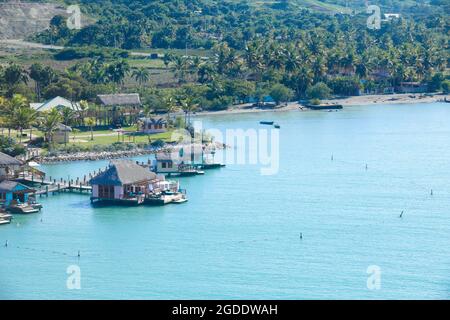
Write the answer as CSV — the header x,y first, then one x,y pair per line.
x,y
121,99
123,172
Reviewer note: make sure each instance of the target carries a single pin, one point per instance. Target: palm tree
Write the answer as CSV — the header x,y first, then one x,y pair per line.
x,y
14,74
180,67
117,71
49,123
3,107
84,106
90,122
188,106
170,105
67,116
205,73
141,75
148,110
16,103
42,77
24,118
167,59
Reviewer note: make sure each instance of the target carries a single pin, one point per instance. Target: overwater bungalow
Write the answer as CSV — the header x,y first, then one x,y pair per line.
x,y
173,165
126,182
14,197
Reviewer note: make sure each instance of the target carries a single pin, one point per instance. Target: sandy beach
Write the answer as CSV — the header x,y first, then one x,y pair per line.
x,y
346,102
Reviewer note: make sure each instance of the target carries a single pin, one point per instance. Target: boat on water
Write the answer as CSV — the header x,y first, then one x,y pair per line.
x,y
22,209
207,166
325,106
165,198
5,216
276,126
182,200
269,123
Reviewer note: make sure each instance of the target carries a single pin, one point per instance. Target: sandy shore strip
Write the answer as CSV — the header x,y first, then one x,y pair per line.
x,y
369,100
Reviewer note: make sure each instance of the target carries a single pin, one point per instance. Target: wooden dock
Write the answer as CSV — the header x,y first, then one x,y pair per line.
x,y
47,186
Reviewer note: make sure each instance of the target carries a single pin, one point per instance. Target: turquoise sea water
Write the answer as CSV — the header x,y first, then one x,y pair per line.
x,y
238,236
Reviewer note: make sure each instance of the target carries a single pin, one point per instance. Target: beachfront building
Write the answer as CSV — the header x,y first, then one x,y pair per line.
x,y
9,167
124,181
119,109
152,125
58,103
412,87
13,193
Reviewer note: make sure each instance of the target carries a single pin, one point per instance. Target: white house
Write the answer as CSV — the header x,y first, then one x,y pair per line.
x,y
58,103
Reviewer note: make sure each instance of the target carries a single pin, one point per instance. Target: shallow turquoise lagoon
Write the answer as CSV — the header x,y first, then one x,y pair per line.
x,y
238,237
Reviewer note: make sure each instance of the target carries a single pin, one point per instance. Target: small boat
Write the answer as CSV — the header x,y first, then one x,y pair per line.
x,y
22,208
2,222
5,216
266,122
36,205
207,166
447,101
276,126
324,107
182,200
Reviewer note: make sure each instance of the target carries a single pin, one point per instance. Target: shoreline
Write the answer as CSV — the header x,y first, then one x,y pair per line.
x,y
111,155
368,100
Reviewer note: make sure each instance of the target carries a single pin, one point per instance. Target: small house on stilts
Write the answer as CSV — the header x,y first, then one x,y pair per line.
x,y
126,182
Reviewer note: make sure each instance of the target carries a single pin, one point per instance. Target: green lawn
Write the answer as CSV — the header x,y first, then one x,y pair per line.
x,y
110,139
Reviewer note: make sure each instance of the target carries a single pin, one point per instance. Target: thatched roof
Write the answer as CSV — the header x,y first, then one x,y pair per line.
x,y
122,99
122,172
6,160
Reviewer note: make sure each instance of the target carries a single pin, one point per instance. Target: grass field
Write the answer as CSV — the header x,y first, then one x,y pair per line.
x,y
116,137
